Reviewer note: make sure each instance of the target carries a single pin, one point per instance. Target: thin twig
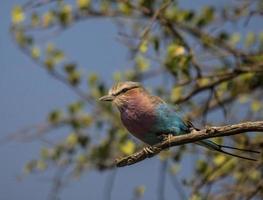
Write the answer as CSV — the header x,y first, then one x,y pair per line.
x,y
147,29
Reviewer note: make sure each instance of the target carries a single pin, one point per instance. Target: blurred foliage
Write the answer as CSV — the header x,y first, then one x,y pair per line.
x,y
211,61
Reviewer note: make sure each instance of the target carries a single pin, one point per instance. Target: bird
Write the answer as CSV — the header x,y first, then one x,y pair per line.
x,y
150,119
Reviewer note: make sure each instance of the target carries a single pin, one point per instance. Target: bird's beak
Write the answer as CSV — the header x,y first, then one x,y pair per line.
x,y
107,98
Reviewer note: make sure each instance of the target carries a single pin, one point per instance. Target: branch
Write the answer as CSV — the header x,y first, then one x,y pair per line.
x,y
223,78
208,132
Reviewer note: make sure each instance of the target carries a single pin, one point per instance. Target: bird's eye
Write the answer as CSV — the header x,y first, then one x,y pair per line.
x,y
124,90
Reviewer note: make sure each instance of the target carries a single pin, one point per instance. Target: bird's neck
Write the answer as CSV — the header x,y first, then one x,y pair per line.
x,y
136,102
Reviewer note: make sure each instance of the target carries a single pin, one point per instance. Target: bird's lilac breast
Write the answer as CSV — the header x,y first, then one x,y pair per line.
x,y
138,121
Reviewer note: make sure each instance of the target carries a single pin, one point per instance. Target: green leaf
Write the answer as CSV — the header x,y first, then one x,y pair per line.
x,y
35,19
223,36
44,153
65,15
41,165
207,16
18,15
55,116
48,18
250,39
142,63
235,38
196,197
117,76
72,140
256,105
104,6
86,119
58,56
143,46
175,168
125,8
128,147
83,140
203,81
176,93
156,43
164,155
129,74
201,166
30,166
92,79
50,48
74,78
35,52
260,37
83,4
57,152
49,64
75,107
81,159
139,191
208,12
219,159
255,175
70,68
175,50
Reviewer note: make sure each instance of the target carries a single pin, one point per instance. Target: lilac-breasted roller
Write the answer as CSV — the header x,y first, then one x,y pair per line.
x,y
149,118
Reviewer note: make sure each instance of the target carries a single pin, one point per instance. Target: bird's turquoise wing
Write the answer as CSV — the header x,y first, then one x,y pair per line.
x,y
168,121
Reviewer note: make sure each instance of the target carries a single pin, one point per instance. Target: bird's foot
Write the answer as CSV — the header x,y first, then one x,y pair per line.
x,y
148,150
151,151
165,137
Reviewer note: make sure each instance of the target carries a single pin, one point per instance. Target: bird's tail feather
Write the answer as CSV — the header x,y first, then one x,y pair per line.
x,y
220,148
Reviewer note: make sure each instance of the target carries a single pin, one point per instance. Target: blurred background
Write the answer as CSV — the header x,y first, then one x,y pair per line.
x,y
58,57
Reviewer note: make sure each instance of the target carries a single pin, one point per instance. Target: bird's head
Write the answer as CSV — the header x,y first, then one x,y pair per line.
x,y
121,92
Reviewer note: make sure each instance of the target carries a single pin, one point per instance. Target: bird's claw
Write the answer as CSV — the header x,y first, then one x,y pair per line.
x,y
150,151
165,137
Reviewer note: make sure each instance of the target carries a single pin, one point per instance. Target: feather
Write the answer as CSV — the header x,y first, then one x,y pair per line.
x,y
216,147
